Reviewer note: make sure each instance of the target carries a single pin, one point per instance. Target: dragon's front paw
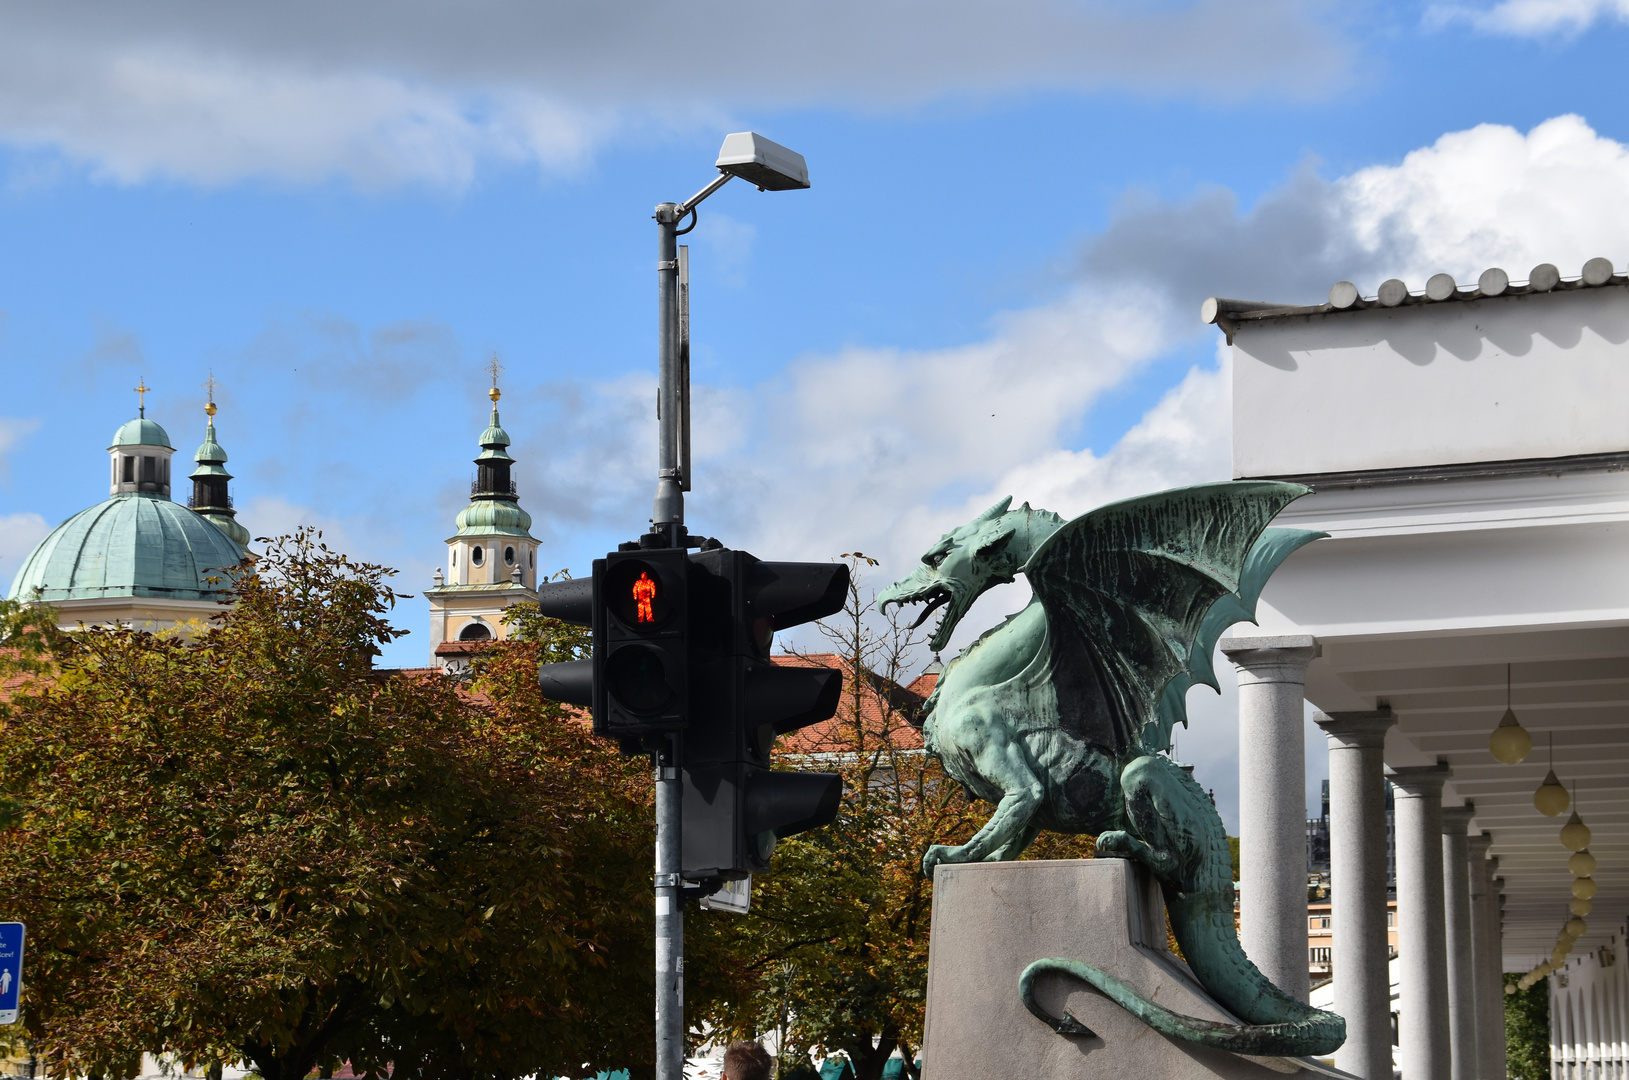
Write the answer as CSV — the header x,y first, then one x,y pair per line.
x,y
938,853
1116,844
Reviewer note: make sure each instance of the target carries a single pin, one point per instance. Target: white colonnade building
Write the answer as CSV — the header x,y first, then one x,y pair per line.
x,y
1468,452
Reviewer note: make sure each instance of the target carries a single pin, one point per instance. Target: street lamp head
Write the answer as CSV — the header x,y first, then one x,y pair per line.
x,y
769,165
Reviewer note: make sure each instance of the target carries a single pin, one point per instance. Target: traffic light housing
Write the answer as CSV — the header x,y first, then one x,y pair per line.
x,y
736,807
682,658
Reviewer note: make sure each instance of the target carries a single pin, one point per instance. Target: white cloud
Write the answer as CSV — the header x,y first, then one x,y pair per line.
x,y
384,94
18,534
1532,18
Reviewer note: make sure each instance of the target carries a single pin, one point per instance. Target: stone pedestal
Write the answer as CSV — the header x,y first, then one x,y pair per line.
x,y
991,920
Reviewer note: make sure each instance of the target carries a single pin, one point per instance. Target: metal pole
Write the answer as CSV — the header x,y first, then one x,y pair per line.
x,y
669,917
667,516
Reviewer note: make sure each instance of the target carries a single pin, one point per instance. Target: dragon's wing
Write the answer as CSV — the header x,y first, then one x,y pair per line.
x,y
1273,548
1127,589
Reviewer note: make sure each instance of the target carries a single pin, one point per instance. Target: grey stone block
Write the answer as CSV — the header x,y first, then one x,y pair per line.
x,y
991,920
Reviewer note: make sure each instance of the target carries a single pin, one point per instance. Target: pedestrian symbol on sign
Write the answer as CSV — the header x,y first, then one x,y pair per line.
x,y
11,970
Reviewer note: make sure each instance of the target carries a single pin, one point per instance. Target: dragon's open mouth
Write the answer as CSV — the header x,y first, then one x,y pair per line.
x,y
933,597
938,599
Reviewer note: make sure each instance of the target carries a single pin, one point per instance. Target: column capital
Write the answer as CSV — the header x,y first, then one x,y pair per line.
x,y
1356,729
1456,820
1273,659
1419,781
1479,847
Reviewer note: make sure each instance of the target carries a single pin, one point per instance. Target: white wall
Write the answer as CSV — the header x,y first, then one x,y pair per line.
x,y
1512,377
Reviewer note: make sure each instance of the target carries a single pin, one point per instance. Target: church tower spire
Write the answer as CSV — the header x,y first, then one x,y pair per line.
x,y
210,495
492,559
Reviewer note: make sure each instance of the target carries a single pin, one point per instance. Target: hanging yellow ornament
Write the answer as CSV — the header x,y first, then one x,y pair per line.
x,y
1582,864
1584,888
1510,743
1575,834
1581,907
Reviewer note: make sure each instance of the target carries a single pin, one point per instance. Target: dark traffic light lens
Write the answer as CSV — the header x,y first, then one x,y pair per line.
x,y
636,676
637,595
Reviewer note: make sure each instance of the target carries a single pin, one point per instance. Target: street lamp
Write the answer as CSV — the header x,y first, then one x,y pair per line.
x,y
771,167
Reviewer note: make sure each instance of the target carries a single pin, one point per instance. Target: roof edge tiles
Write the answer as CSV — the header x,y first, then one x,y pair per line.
x,y
1392,293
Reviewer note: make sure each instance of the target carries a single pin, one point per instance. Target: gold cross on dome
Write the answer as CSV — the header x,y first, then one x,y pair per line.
x,y
494,368
141,389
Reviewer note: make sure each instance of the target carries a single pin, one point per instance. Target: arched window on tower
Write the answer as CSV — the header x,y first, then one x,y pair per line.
x,y
509,556
477,555
475,632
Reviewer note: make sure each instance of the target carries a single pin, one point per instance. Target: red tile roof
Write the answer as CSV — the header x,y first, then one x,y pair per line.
x,y
887,711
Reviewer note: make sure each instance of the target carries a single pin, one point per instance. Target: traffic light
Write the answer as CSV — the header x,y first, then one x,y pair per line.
x,y
682,661
640,642
736,807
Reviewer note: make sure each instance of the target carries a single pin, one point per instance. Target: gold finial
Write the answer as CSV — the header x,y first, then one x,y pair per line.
x,y
209,386
493,369
141,389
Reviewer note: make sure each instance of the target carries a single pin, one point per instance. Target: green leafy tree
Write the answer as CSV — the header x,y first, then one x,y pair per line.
x,y
833,955
1527,1030
249,845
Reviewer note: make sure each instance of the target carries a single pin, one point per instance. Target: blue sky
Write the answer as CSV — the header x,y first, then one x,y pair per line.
x,y
1016,209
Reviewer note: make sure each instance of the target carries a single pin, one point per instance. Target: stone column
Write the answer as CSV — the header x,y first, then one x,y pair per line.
x,y
1493,1050
1483,966
1273,805
1422,1028
1357,879
1461,946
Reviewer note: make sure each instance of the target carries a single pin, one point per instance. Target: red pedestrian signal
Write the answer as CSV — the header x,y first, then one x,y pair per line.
x,y
644,591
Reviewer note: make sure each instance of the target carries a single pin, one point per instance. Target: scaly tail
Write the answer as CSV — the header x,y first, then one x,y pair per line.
x,y
1320,1033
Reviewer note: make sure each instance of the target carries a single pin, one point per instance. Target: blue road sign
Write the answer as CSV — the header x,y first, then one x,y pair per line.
x,y
11,970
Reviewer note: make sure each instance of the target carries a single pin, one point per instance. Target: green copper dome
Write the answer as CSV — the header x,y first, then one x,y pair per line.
x,y
494,517
141,432
131,545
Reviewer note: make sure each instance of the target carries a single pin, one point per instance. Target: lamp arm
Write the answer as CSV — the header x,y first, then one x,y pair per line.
x,y
690,204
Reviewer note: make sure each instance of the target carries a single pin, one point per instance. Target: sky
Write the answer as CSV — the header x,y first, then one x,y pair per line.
x,y
991,288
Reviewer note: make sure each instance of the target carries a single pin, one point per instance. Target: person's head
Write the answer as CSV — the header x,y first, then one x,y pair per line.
x,y
748,1061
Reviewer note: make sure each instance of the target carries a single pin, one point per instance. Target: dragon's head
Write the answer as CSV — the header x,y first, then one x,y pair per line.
x,y
987,551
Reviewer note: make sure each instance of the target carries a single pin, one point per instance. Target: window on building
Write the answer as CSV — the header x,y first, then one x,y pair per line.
x,y
455,557
509,556
129,470
149,469
531,559
477,555
1319,955
475,632
1391,918
164,471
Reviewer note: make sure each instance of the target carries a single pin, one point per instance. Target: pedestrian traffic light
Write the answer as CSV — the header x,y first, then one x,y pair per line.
x,y
736,807
640,642
682,663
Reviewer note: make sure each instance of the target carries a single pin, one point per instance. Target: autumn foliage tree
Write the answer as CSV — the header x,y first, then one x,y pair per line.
x,y
248,845
833,954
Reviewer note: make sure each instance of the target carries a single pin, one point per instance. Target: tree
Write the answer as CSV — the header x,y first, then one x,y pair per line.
x,y
1527,1029
250,845
833,954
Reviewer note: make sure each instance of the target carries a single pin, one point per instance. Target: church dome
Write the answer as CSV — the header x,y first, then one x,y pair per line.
x,y
494,517
141,432
131,545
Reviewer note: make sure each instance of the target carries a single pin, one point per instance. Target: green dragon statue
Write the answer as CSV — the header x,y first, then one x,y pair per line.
x,y
1060,715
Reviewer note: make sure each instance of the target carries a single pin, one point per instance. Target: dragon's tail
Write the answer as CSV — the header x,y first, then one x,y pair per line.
x,y
1315,1034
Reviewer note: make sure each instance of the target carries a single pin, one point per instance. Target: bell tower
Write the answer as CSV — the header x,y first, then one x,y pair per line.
x,y
491,559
